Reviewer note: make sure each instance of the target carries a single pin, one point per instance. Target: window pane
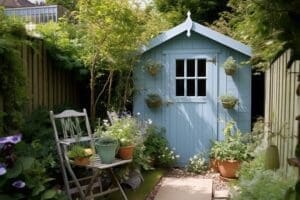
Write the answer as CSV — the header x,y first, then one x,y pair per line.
x,y
201,87
190,87
179,68
179,87
190,68
201,67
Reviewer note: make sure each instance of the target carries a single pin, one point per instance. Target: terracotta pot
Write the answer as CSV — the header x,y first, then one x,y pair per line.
x,y
82,161
229,168
126,152
213,164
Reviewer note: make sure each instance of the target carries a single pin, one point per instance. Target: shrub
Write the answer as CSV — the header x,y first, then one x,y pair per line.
x,y
157,147
263,185
197,164
233,147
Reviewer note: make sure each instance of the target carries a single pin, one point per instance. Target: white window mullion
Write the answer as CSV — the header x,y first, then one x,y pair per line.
x,y
185,77
196,76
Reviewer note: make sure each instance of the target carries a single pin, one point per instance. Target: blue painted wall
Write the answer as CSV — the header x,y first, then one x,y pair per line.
x,y
191,125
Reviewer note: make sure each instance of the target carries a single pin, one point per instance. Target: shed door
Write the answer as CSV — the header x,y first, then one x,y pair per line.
x,y
191,111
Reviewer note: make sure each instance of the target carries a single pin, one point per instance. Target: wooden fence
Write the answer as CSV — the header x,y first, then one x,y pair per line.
x,y
282,105
47,85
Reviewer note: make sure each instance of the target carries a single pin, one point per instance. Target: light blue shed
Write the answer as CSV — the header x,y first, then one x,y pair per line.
x,y
190,83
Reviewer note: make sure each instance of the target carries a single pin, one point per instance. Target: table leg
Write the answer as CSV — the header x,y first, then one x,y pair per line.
x,y
118,183
90,186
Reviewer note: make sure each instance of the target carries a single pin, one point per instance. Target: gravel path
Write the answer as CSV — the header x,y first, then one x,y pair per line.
x,y
218,183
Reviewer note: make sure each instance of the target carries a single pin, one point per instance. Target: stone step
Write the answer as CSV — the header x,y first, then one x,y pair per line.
x,y
221,194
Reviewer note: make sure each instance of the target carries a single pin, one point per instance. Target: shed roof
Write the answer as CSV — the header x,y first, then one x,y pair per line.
x,y
16,3
189,26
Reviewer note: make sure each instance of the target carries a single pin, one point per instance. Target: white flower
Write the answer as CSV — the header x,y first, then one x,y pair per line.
x,y
138,113
149,121
105,121
177,156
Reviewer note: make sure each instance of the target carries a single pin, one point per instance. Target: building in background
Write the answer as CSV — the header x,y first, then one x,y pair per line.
x,y
35,13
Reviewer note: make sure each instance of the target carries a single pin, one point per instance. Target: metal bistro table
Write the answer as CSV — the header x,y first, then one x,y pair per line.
x,y
97,166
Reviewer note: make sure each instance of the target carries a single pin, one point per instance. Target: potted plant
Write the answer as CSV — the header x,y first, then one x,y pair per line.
x,y
230,152
79,155
228,101
230,66
153,67
153,100
126,131
106,148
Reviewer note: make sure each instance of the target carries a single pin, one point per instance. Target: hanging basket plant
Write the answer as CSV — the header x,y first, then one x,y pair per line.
x,y
230,66
153,67
153,101
229,101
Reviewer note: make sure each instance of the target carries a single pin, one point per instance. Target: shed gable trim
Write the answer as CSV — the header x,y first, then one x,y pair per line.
x,y
202,30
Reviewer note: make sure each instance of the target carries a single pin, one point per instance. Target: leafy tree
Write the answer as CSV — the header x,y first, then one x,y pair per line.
x,y
69,4
110,33
269,27
203,11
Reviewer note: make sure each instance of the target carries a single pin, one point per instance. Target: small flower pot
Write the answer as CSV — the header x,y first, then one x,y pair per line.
x,y
82,161
229,168
126,152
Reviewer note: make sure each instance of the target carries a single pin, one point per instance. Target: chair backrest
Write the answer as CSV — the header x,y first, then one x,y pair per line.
x,y
112,116
71,126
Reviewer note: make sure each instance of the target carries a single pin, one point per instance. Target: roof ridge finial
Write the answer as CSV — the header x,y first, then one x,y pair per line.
x,y
189,24
188,14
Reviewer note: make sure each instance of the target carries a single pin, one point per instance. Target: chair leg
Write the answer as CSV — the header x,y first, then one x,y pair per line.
x,y
118,183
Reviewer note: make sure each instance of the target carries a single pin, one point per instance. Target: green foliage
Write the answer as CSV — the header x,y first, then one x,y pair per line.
x,y
230,63
25,176
69,4
202,11
157,147
251,167
264,185
77,151
233,147
197,164
268,26
126,130
62,45
12,88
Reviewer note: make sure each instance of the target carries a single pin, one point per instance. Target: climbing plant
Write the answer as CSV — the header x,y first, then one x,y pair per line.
x,y
12,87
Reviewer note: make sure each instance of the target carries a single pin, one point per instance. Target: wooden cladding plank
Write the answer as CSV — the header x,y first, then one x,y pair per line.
x,y
50,86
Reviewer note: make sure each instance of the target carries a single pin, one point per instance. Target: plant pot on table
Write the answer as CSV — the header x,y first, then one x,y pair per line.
x,y
126,152
106,148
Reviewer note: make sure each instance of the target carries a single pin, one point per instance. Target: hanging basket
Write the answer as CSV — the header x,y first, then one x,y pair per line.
x,y
230,66
153,101
153,68
229,104
230,71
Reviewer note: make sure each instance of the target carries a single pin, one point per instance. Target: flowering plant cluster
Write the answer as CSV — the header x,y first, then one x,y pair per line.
x,y
125,130
22,177
197,164
168,157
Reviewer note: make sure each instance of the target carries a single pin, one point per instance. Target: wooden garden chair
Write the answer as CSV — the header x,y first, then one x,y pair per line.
x,y
71,127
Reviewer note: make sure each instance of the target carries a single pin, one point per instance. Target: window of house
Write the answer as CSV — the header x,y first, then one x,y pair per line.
x,y
190,77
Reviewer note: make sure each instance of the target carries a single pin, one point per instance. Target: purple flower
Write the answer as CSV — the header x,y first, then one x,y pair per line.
x,y
2,169
18,184
11,139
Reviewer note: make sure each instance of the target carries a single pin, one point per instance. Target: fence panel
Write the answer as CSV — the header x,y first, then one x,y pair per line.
x,y
47,85
282,105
